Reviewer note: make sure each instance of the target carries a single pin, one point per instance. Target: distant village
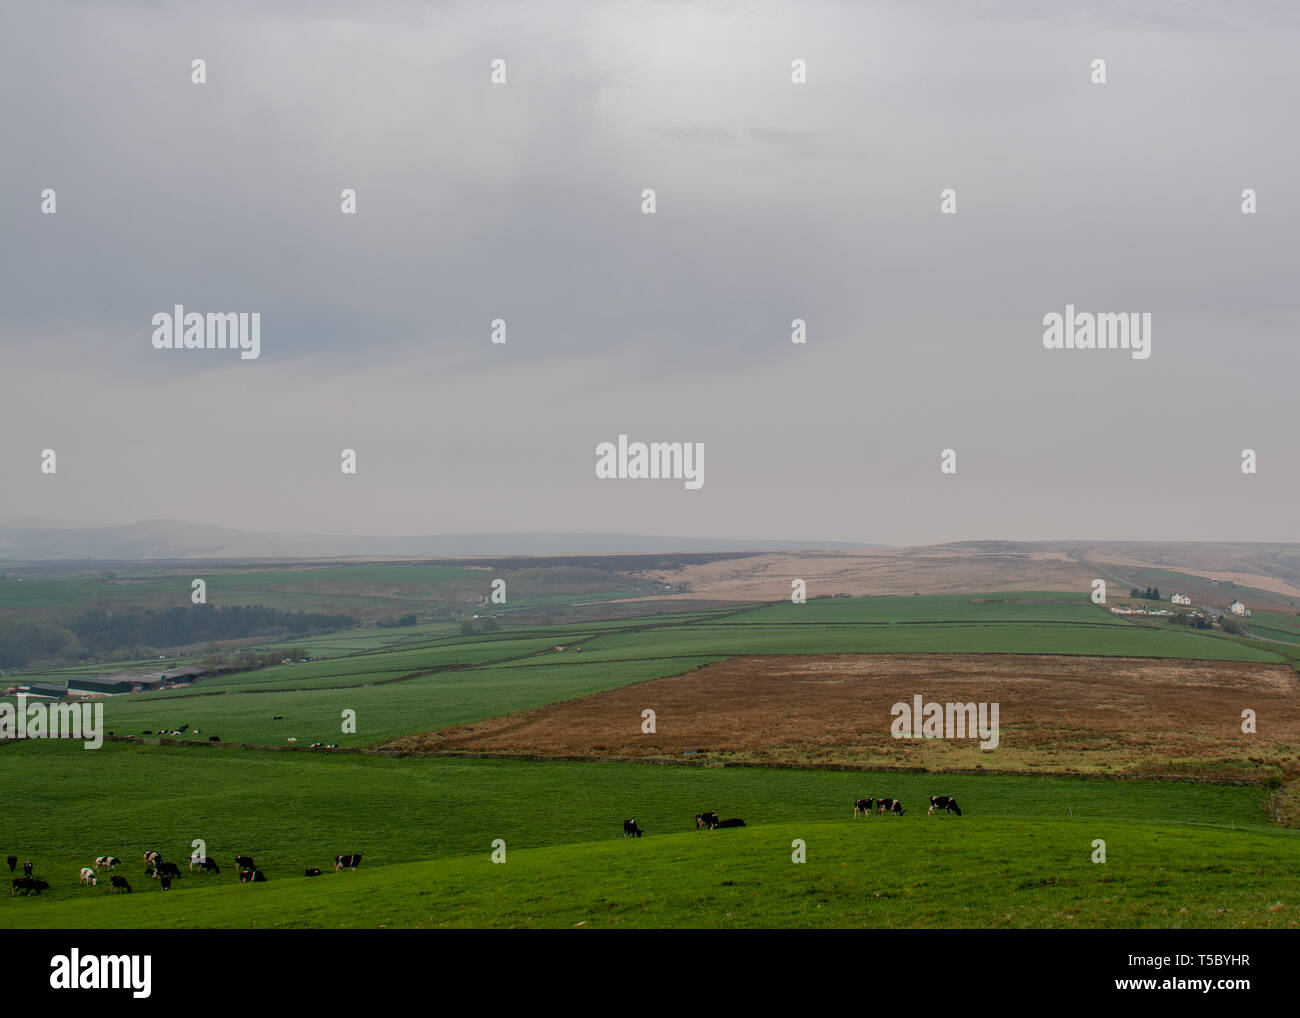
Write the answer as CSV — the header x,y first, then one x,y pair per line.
x,y
1235,608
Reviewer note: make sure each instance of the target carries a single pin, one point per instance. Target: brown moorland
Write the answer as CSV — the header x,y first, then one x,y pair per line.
x,y
1271,571
1057,714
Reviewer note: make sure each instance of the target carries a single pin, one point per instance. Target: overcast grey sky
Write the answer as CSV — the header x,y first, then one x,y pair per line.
x,y
775,201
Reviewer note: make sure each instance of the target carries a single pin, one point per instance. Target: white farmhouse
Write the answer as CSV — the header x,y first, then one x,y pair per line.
x,y
1237,608
1180,599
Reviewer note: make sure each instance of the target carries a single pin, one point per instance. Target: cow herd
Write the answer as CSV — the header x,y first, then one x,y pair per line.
x,y
157,868
863,807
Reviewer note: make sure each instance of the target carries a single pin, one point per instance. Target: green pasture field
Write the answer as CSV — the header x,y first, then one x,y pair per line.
x,y
1019,856
1007,606
977,875
1100,639
370,590
383,711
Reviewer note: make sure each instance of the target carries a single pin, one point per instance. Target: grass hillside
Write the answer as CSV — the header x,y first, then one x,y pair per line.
x,y
942,873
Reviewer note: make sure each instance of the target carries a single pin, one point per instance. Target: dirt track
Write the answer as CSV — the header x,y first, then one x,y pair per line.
x,y
1059,714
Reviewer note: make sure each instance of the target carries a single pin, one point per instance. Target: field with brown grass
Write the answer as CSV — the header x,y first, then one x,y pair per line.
x,y
1057,714
1267,575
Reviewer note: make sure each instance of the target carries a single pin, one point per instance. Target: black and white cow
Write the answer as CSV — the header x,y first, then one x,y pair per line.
x,y
245,862
894,806
709,820
27,869
152,859
863,807
733,822
346,862
119,884
944,802
313,872
13,863
109,861
88,876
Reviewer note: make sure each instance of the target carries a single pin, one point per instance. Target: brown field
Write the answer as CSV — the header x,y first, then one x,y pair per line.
x,y
997,565
1057,715
904,571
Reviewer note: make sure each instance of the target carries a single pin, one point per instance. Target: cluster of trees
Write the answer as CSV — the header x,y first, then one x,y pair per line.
x,y
1188,619
106,636
393,621
23,642
468,628
1151,593
178,627
245,660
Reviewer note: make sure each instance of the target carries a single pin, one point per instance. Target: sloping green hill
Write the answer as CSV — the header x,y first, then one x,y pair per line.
x,y
883,872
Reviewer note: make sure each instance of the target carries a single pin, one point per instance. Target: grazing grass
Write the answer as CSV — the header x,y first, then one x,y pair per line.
x,y
930,872
296,809
1100,639
384,710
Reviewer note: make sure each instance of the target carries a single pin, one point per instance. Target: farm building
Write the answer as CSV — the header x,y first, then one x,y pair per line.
x,y
1237,608
138,680
182,675
51,690
1180,599
107,684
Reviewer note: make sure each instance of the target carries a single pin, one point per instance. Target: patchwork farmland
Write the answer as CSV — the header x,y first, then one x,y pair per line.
x,y
532,737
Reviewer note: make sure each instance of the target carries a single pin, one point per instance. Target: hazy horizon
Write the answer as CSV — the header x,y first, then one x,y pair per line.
x,y
775,201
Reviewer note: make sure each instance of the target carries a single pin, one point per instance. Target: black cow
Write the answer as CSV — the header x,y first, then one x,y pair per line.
x,y
29,886
245,862
167,869
258,877
13,863
342,862
312,873
166,882
733,822
944,802
630,829
27,869
205,865
119,884
709,820
863,807
894,806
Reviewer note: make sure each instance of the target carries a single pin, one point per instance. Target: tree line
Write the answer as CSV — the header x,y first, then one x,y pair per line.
x,y
101,634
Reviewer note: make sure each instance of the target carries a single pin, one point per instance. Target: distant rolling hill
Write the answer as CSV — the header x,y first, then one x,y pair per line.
x,y
172,539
